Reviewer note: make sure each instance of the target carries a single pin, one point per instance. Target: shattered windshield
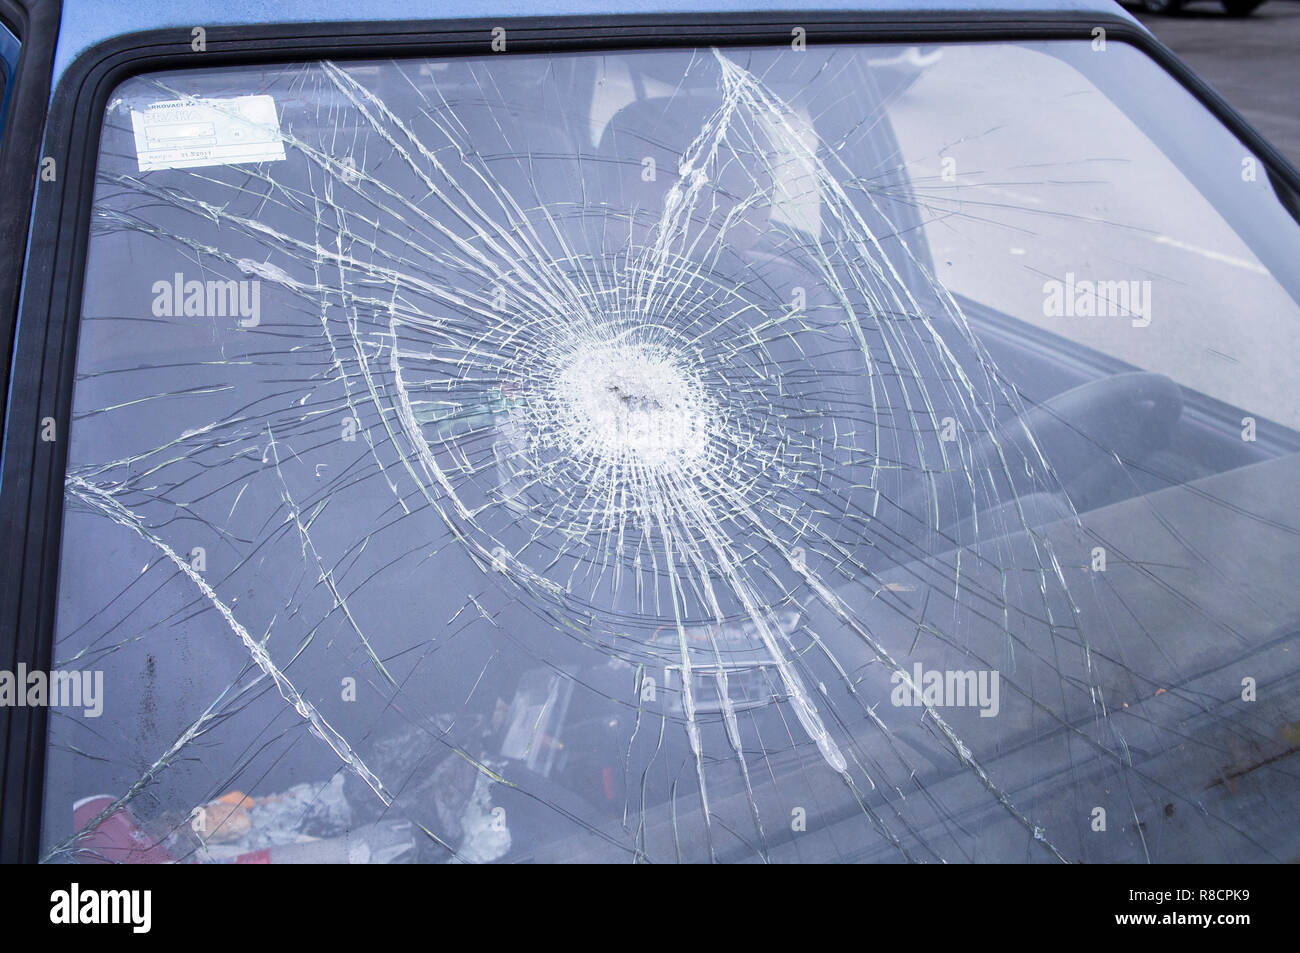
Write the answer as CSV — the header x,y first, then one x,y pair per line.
x,y
851,453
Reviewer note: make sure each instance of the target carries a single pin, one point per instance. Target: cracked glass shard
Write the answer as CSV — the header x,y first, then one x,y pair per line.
x,y
860,453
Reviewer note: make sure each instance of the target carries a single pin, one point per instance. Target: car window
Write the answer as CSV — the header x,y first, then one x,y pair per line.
x,y
850,453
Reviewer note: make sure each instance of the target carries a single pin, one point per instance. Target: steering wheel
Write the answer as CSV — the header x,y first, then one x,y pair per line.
x,y
1088,435
1105,423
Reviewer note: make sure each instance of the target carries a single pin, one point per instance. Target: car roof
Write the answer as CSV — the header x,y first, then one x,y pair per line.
x,y
86,23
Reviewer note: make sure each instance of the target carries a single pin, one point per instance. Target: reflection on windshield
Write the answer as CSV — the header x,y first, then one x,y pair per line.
x,y
578,458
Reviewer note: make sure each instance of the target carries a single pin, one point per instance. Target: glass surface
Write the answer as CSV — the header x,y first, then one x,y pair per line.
x,y
864,453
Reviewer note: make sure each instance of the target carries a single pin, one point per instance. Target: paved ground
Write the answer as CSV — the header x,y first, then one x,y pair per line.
x,y
1253,62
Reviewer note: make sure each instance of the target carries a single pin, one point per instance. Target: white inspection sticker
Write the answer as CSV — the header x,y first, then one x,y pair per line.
x,y
184,134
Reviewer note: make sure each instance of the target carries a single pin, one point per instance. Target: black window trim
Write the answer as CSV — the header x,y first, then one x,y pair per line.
x,y
35,24
42,373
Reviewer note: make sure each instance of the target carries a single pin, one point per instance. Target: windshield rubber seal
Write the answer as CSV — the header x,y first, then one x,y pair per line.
x,y
35,25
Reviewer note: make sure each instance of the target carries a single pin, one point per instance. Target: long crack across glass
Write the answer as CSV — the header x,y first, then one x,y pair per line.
x,y
842,453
